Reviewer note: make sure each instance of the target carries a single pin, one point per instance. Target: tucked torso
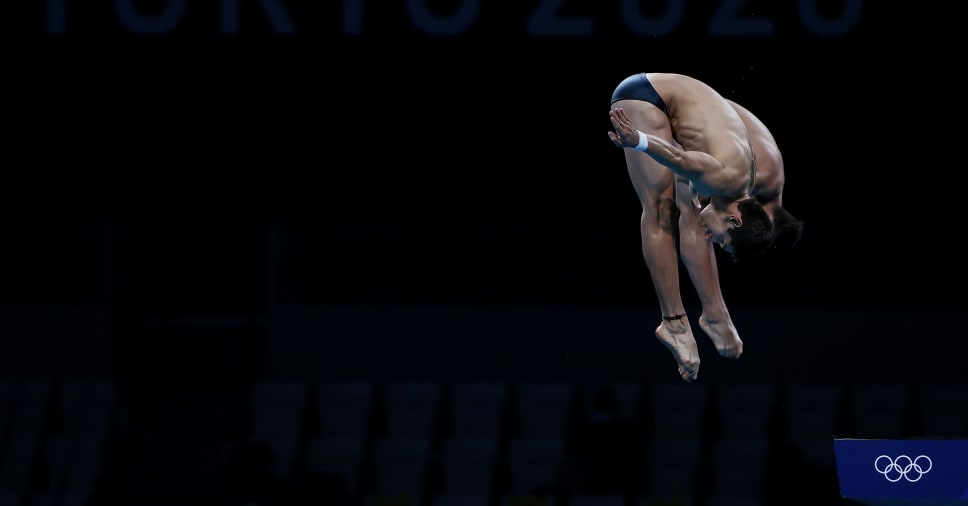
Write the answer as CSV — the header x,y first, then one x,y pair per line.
x,y
702,120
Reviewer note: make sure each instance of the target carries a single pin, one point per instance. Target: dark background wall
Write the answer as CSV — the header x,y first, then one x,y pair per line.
x,y
199,195
215,157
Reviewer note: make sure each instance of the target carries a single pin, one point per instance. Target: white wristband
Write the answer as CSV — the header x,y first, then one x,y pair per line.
x,y
643,144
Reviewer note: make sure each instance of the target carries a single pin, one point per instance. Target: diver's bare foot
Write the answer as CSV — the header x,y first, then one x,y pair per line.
x,y
723,335
683,347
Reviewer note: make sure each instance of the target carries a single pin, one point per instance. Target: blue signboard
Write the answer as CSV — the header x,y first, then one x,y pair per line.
x,y
926,469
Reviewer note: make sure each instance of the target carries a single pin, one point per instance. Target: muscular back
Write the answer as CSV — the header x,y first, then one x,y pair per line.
x,y
770,178
702,120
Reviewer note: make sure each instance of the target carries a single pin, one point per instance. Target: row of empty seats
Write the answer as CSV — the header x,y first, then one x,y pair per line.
x,y
429,439
552,410
52,436
424,441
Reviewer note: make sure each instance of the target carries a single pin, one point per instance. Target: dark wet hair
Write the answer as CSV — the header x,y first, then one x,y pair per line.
x,y
787,232
752,240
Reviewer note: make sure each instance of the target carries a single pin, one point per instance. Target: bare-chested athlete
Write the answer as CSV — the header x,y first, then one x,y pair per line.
x,y
711,146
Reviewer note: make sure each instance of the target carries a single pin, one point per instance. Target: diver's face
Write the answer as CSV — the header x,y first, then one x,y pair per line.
x,y
717,224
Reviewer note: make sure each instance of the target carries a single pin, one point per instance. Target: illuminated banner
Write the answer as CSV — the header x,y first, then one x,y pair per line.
x,y
904,470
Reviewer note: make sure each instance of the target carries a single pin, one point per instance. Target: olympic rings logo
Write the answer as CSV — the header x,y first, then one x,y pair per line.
x,y
903,467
